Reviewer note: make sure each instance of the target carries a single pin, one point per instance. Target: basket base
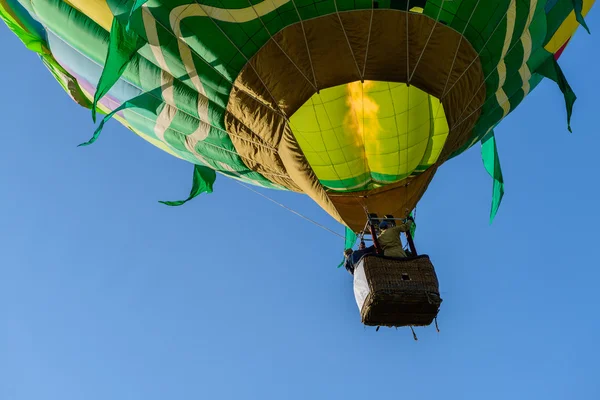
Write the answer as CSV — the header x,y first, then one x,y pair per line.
x,y
400,309
396,292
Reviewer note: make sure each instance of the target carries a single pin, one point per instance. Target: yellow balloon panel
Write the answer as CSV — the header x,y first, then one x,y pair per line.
x,y
364,135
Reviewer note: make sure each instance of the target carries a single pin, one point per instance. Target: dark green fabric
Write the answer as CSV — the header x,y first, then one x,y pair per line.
x,y
350,238
413,227
550,69
204,178
135,6
578,6
349,242
127,104
489,154
148,101
122,47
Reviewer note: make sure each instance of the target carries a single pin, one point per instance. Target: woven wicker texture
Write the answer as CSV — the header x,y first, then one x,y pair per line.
x,y
404,292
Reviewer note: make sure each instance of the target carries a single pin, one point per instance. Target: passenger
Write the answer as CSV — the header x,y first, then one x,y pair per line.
x,y
353,257
389,239
362,251
349,262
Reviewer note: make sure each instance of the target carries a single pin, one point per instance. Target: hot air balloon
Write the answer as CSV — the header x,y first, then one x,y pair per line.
x,y
355,103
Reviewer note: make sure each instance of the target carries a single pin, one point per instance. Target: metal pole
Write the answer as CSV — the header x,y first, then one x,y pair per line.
x,y
410,241
374,237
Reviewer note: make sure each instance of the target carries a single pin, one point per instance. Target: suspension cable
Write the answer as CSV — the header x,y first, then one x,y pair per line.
x,y
290,210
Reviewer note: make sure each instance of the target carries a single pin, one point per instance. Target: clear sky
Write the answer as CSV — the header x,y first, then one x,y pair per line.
x,y
107,294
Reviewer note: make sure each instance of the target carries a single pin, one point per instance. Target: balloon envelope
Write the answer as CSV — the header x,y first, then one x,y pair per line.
x,y
355,103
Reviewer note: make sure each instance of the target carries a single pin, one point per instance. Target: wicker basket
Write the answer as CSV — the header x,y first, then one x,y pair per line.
x,y
402,292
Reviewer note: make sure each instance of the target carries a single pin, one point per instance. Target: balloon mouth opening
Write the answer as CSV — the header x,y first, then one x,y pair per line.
x,y
364,135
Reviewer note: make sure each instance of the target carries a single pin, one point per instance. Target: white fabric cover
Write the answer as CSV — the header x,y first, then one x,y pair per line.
x,y
361,286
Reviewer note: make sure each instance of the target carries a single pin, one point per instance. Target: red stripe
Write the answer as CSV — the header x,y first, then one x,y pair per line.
x,y
560,51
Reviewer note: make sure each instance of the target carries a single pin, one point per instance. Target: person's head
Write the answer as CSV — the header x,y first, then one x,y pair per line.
x,y
384,225
348,252
362,245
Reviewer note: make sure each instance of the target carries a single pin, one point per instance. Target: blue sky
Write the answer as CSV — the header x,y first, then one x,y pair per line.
x,y
107,294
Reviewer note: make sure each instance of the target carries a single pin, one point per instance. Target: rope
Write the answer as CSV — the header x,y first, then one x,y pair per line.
x,y
337,140
427,42
461,121
458,48
364,149
364,229
158,23
307,48
279,110
407,49
414,334
290,210
279,47
347,40
436,325
478,54
362,77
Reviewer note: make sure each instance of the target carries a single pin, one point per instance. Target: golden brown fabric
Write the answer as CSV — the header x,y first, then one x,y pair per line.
x,y
397,199
274,84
